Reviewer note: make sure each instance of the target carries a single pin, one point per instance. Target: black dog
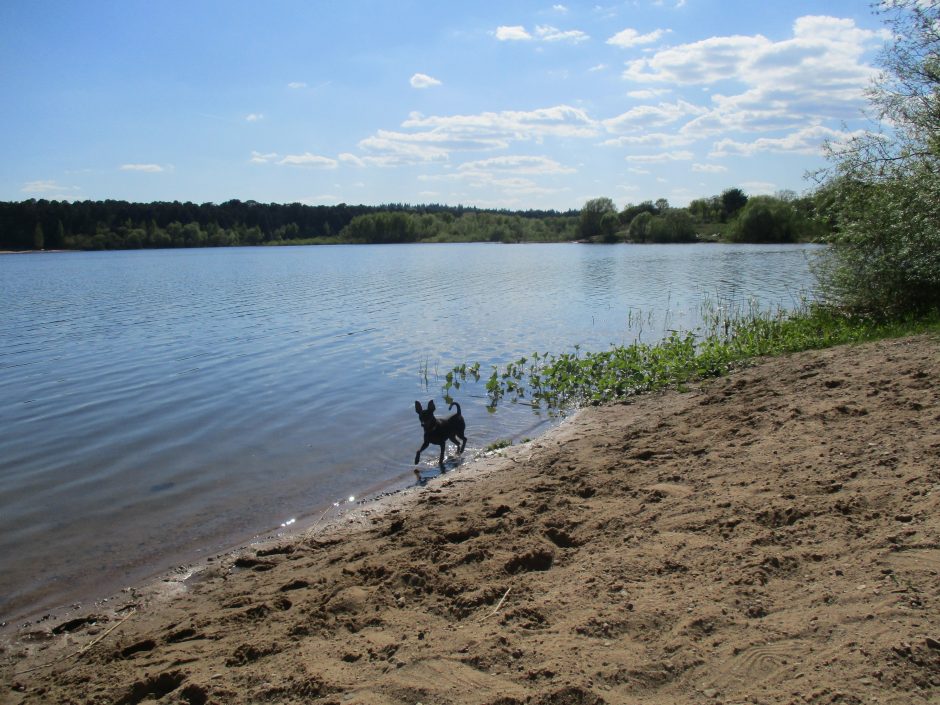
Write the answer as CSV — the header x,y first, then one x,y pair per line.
x,y
437,431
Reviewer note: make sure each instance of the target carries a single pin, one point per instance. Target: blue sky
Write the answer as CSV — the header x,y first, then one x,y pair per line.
x,y
493,104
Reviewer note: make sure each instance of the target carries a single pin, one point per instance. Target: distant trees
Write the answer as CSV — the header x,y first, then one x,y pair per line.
x,y
123,225
732,200
598,220
765,219
102,225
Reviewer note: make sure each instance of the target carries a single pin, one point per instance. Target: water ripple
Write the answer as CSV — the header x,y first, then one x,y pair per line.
x,y
153,404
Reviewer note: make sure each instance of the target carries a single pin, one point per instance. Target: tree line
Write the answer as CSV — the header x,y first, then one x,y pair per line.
x,y
731,216
100,225
113,224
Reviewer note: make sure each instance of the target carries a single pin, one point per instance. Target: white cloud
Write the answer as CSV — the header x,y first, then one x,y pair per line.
x,y
512,33
545,33
434,138
824,54
654,139
629,37
259,158
560,8
816,75
518,164
254,117
46,187
808,140
148,168
557,121
661,157
709,168
598,67
296,85
552,34
647,116
648,93
348,158
421,80
308,159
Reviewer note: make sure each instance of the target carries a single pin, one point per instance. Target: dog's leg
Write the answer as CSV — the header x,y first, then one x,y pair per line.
x,y
441,460
422,448
455,440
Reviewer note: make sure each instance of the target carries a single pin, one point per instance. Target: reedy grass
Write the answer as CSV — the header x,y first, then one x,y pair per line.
x,y
728,339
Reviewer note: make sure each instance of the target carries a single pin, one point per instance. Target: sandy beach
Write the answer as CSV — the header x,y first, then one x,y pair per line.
x,y
768,537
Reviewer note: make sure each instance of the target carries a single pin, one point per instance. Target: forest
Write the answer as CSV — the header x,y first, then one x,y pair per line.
x,y
110,225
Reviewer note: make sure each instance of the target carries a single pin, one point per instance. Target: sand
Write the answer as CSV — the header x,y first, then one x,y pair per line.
x,y
769,537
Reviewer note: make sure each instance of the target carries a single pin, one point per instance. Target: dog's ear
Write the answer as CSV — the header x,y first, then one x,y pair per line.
x,y
431,406
417,407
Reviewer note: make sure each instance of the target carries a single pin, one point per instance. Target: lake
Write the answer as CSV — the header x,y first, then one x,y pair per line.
x,y
157,407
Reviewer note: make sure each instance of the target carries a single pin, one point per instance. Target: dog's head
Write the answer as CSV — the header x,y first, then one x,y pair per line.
x,y
426,415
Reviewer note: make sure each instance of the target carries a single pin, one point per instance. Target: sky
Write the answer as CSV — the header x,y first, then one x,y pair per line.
x,y
510,104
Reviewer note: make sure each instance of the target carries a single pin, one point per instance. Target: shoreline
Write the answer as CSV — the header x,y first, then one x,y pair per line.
x,y
158,583
770,536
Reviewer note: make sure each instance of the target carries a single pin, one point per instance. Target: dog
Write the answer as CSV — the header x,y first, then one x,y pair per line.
x,y
438,431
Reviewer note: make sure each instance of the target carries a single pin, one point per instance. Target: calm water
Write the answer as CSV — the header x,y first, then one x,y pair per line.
x,y
159,406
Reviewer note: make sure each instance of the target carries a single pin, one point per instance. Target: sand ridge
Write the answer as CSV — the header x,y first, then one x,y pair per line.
x,y
769,537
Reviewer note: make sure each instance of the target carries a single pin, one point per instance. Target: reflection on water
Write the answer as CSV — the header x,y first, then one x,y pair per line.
x,y
156,404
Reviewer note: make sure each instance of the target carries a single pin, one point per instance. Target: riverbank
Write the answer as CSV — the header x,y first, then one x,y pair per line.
x,y
772,537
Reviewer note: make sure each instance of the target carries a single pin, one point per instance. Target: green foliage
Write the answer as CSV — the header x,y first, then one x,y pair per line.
x,y
123,225
885,258
732,200
570,379
592,223
883,191
766,219
632,211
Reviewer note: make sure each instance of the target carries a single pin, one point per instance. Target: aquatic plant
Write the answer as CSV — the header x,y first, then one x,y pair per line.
x,y
730,337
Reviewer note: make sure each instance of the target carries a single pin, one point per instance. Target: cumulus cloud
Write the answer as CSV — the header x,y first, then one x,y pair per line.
x,y
629,37
544,33
296,85
421,80
817,74
259,158
148,168
47,187
824,53
649,116
650,139
308,160
553,34
518,164
512,33
709,168
347,158
648,93
556,121
661,157
254,117
808,140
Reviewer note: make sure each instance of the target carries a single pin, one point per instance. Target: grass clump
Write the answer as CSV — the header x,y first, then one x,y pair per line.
x,y
572,379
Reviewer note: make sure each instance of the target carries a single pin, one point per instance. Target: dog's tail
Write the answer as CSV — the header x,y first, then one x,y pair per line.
x,y
453,404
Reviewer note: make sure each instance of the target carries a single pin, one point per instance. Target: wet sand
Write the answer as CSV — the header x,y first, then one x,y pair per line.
x,y
768,537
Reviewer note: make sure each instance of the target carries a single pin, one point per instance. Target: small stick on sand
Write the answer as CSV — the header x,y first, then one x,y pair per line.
x,y
86,647
498,604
